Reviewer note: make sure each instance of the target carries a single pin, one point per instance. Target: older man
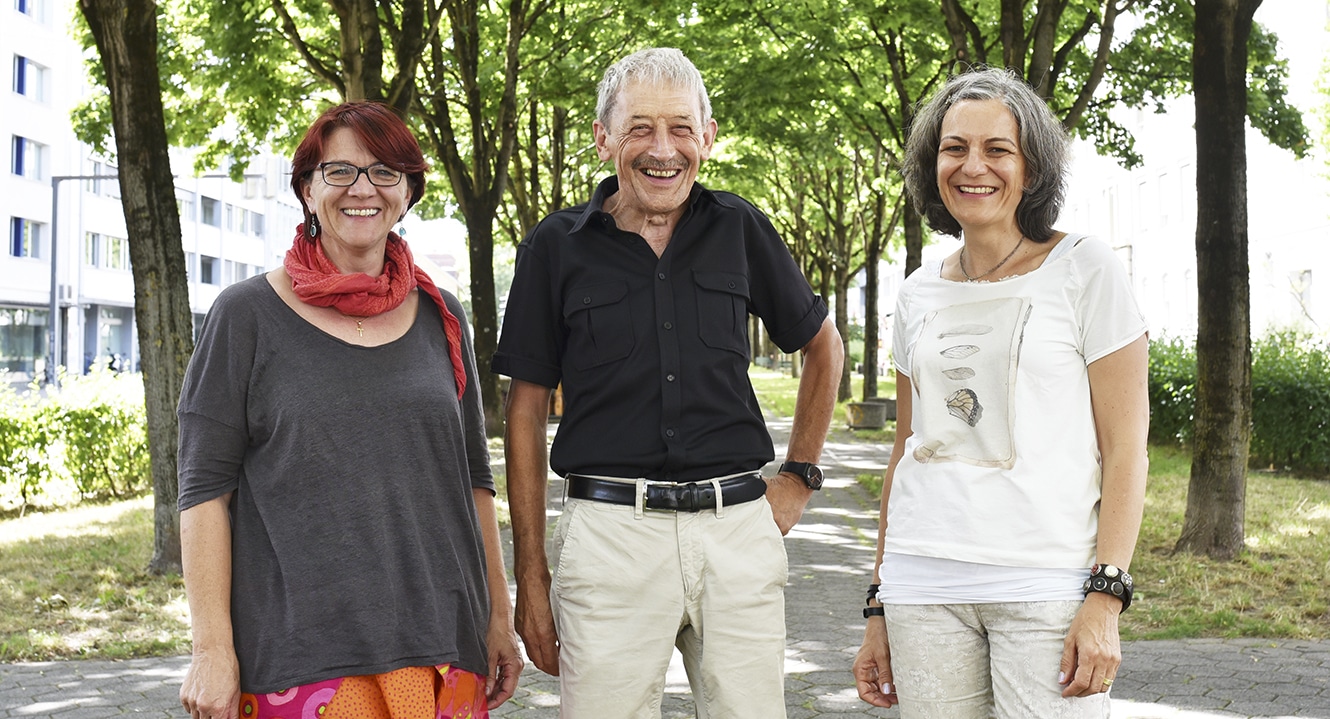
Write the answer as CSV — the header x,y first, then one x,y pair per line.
x,y
638,302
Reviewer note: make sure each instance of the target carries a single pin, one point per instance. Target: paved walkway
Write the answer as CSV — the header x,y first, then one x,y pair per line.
x,y
831,557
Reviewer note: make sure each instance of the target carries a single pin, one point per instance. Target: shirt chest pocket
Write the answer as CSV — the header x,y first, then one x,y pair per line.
x,y
600,324
722,310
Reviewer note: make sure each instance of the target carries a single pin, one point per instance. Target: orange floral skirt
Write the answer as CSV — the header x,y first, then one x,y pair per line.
x,y
441,692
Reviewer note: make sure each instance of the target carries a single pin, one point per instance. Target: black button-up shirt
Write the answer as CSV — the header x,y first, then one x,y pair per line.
x,y
652,352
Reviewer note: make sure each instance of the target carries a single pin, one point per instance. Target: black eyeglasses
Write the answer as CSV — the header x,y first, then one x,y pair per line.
x,y
344,174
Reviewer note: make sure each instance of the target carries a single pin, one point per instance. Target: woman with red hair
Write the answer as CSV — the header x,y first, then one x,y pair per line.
x,y
339,537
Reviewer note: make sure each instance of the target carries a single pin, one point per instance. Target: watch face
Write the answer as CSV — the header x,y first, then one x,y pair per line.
x,y
810,473
813,477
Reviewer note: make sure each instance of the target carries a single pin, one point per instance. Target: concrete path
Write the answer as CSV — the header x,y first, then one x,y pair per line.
x,y
831,557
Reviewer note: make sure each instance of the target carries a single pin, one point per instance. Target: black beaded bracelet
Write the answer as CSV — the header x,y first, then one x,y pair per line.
x,y
874,612
1110,580
872,593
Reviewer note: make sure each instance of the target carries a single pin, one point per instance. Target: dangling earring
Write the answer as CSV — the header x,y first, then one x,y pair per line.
x,y
313,230
401,228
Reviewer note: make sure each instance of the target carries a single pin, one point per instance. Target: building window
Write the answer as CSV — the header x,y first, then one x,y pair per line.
x,y
22,343
208,270
1300,286
185,203
92,249
210,214
27,159
35,9
256,224
111,188
117,253
189,265
30,79
94,184
25,237
1146,212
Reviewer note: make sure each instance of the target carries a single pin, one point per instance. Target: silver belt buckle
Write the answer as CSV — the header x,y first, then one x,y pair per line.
x,y
640,496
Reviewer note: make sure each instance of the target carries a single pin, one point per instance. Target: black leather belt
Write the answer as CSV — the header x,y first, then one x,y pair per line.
x,y
685,497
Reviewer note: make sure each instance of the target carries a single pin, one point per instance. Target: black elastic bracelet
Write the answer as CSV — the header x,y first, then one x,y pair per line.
x,y
872,593
874,612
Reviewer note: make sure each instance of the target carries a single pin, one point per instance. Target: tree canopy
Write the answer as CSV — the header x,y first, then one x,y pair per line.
x,y
813,94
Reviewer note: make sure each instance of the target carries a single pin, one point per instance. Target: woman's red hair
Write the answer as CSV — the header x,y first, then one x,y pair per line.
x,y
378,128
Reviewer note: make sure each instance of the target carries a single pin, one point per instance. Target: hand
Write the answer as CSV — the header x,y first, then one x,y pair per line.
x,y
788,495
1092,651
505,661
872,666
535,623
211,689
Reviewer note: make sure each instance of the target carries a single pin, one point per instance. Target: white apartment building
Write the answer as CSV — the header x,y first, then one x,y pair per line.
x,y
1149,213
60,203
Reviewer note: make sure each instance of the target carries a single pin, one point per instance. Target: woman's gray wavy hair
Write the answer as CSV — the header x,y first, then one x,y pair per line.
x,y
1044,146
656,66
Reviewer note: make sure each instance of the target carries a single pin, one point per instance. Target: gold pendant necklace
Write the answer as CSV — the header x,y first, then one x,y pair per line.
x,y
995,267
360,323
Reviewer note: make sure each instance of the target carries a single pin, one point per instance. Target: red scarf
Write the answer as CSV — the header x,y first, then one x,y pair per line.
x,y
317,281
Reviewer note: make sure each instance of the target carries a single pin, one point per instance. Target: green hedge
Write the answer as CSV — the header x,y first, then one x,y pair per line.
x,y
1291,403
25,441
1290,399
1172,391
89,438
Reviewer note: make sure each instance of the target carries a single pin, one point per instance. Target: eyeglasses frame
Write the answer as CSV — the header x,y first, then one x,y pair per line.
x,y
359,171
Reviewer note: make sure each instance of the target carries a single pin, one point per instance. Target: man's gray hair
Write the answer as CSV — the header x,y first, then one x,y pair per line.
x,y
654,66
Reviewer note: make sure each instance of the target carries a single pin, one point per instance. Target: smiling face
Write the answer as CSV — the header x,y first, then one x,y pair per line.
x,y
980,168
657,140
354,220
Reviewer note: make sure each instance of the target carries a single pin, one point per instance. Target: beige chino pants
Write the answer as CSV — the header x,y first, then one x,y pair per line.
x,y
626,590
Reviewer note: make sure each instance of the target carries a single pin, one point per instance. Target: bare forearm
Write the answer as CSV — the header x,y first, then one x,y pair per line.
x,y
205,544
1121,506
500,604
1120,397
816,400
526,459
904,428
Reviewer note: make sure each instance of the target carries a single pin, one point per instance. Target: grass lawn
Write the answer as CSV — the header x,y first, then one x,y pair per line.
x,y
72,582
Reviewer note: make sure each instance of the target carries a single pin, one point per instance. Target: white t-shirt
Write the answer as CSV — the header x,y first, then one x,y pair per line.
x,y
1003,464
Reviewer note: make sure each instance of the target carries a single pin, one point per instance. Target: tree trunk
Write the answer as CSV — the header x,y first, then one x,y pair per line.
x,y
914,239
872,253
485,313
1216,493
842,290
479,176
126,36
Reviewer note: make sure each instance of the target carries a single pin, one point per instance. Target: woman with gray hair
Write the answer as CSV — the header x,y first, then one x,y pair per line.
x,y
1014,493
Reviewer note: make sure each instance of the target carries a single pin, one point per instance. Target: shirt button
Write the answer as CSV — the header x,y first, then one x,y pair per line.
x,y
669,378
669,325
660,275
586,300
669,433
731,285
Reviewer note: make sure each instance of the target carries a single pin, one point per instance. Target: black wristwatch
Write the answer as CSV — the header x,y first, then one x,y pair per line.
x,y
810,473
